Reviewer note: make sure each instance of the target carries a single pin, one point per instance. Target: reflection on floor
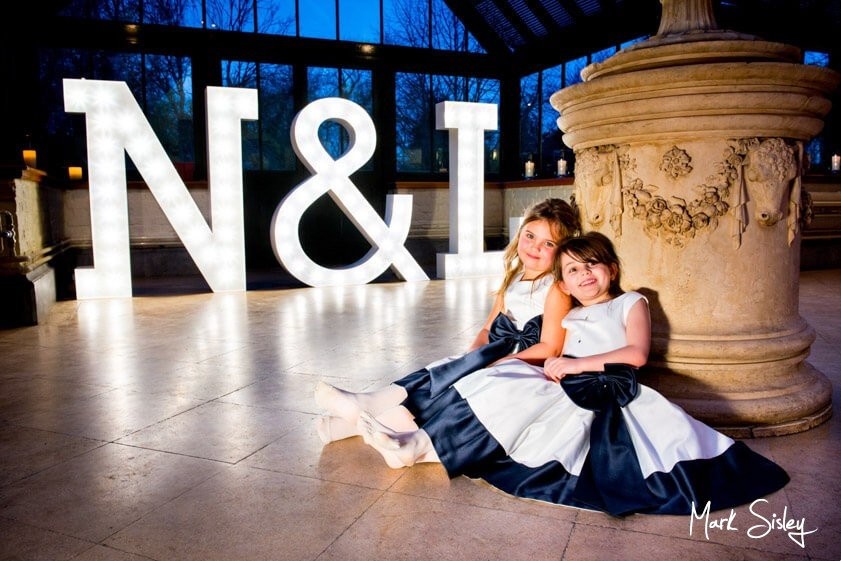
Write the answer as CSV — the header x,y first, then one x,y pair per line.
x,y
181,427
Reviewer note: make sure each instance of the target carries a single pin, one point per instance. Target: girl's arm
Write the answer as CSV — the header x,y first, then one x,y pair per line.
x,y
482,336
635,353
551,332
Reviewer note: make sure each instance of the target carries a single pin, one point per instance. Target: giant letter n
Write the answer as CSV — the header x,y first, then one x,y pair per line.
x,y
115,126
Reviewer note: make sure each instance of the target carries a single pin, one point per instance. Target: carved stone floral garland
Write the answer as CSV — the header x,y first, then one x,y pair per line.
x,y
676,219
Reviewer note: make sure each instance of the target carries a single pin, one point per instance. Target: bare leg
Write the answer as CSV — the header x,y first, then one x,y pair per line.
x,y
332,428
348,405
398,448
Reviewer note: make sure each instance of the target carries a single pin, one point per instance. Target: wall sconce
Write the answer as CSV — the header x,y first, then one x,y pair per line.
x,y
30,158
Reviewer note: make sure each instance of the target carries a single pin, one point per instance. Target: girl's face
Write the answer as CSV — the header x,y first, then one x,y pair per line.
x,y
536,248
589,283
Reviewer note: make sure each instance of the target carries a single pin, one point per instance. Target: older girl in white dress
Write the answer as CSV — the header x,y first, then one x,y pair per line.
x,y
514,328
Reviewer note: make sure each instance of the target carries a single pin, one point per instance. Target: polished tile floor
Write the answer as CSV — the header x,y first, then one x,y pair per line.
x,y
173,427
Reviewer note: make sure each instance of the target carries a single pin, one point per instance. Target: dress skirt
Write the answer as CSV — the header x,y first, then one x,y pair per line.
x,y
426,386
637,452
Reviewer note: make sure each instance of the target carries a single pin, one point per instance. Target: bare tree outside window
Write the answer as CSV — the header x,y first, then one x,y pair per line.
x,y
420,146
231,15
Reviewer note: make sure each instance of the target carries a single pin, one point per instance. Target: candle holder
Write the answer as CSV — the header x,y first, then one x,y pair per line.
x,y
30,158
529,171
835,163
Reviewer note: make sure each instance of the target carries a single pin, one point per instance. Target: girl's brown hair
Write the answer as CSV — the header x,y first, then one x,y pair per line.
x,y
564,222
592,247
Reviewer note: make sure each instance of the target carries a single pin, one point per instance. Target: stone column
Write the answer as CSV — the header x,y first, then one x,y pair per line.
x,y
689,151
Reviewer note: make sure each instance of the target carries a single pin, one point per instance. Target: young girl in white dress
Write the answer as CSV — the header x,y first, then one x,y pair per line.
x,y
524,322
581,431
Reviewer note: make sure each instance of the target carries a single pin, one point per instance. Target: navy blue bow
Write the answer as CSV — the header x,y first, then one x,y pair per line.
x,y
504,338
610,479
596,391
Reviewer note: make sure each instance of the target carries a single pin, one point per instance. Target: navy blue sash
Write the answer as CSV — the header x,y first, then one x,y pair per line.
x,y
504,338
611,478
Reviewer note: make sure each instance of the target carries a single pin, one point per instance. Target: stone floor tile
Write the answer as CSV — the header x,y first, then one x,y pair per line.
x,y
248,514
300,452
98,493
431,481
105,553
283,390
105,416
27,451
22,542
404,527
226,432
816,498
596,543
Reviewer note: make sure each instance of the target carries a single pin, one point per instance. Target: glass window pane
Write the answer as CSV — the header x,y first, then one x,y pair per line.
x,y
169,104
421,147
448,33
357,86
266,143
187,13
551,143
529,115
406,22
276,17
572,71
238,74
816,58
487,91
473,45
551,84
276,114
814,152
321,83
603,54
318,18
64,133
627,44
230,15
359,20
112,10
414,123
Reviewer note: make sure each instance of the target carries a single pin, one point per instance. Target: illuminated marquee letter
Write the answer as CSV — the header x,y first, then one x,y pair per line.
x,y
467,123
116,123
333,176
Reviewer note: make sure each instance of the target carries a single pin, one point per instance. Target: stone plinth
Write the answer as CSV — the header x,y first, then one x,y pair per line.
x,y
29,226
689,151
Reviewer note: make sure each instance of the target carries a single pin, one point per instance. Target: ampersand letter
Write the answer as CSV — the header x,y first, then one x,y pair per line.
x,y
332,176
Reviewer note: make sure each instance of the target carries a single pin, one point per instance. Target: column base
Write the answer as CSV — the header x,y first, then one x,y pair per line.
x,y
801,401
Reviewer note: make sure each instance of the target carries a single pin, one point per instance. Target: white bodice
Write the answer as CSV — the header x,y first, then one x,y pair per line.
x,y
598,328
526,299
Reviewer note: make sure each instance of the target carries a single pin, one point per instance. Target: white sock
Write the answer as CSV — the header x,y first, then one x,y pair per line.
x,y
331,429
348,405
398,449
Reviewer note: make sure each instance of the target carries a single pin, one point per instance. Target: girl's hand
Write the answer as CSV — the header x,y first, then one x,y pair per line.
x,y
557,367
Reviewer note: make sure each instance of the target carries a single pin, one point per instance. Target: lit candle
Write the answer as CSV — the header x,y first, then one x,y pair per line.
x,y
30,158
529,169
836,162
562,167
74,173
